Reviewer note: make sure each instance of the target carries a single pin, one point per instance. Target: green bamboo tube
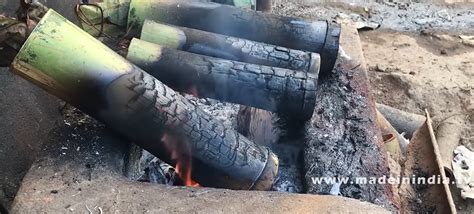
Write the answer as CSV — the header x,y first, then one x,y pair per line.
x,y
295,33
247,4
227,47
69,63
279,90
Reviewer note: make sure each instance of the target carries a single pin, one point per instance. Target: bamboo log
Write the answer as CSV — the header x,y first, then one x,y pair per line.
x,y
318,36
403,122
448,136
274,89
227,47
116,14
264,5
394,142
247,4
71,64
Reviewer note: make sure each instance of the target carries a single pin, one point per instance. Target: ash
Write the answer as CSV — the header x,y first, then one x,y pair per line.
x,y
153,170
224,112
156,171
289,177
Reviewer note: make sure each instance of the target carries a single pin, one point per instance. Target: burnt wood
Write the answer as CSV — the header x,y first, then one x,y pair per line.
x,y
228,47
264,5
220,156
343,139
296,33
274,89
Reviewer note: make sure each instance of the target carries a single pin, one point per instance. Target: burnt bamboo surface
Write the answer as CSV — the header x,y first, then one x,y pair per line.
x,y
139,107
228,47
274,89
296,33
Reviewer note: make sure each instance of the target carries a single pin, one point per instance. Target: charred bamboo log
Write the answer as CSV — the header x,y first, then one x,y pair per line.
x,y
318,37
274,89
264,5
227,47
91,16
247,4
100,82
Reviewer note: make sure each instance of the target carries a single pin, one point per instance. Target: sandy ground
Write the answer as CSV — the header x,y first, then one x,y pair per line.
x,y
414,65
416,59
418,71
413,72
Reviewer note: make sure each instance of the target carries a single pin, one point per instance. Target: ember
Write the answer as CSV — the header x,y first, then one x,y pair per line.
x,y
184,168
140,107
193,91
183,161
307,122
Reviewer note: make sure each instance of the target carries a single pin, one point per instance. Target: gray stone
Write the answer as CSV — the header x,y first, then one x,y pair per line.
x,y
27,115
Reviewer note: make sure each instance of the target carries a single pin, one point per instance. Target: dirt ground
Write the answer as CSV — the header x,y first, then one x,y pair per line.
x,y
416,60
418,71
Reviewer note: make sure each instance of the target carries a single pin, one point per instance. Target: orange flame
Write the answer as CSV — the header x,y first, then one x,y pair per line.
x,y
184,172
183,161
193,91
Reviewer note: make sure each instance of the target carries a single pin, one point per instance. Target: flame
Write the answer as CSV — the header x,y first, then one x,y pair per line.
x,y
183,169
193,91
183,161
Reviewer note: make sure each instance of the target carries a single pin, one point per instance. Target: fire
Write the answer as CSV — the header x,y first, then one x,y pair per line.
x,y
183,169
193,91
183,161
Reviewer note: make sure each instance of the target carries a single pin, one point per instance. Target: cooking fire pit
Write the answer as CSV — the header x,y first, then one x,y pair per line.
x,y
321,124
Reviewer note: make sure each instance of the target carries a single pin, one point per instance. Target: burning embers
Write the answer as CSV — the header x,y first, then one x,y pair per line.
x,y
183,169
180,153
145,108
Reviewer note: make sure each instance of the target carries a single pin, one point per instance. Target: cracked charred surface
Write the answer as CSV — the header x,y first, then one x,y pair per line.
x,y
343,140
227,47
275,89
296,33
279,30
278,56
221,157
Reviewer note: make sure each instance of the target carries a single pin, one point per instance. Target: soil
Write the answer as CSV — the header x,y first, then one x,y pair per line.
x,y
416,59
412,65
425,71
421,71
